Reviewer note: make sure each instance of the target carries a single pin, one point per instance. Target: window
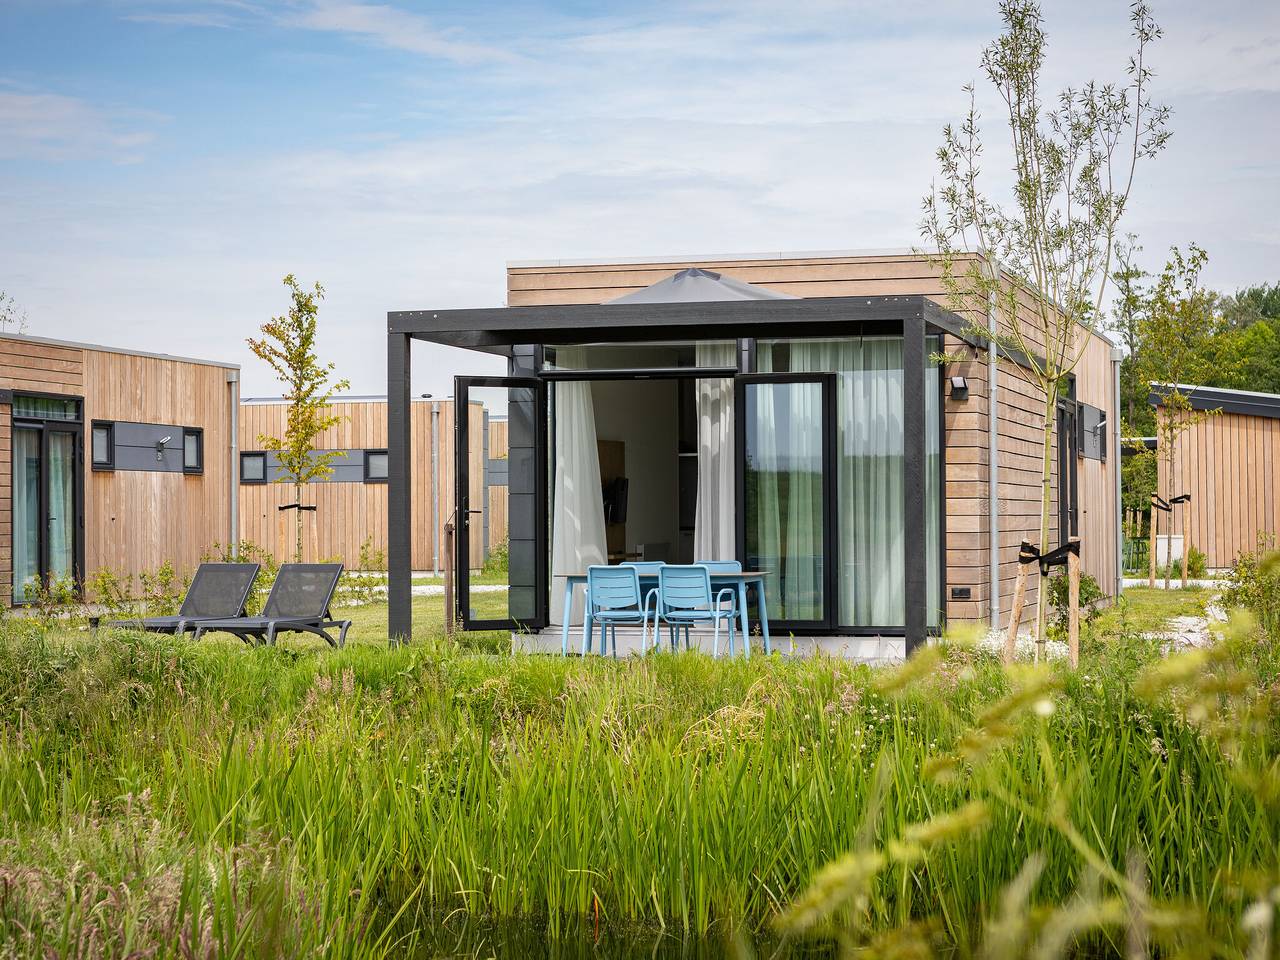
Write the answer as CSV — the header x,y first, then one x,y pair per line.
x,y
45,408
253,468
192,450
103,447
375,466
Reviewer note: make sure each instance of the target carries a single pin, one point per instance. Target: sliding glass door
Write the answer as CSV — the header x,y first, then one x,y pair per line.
x,y
785,491
47,505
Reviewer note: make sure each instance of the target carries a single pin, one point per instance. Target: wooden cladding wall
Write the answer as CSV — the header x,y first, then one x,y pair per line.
x,y
1020,407
133,520
348,515
136,520
1228,464
42,368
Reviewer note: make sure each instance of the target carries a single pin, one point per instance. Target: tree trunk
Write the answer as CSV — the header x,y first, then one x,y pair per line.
x,y
1046,498
1152,527
297,523
1168,486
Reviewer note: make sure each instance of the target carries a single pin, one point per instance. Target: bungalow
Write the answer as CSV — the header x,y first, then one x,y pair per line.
x,y
112,459
1227,463
782,410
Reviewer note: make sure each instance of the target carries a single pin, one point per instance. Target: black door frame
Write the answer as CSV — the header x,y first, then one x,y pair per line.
x,y
45,427
1067,427
463,511
830,535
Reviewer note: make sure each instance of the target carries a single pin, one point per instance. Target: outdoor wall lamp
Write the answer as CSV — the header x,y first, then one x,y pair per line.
x,y
160,448
959,388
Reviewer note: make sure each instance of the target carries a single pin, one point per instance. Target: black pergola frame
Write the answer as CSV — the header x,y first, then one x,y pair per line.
x,y
518,332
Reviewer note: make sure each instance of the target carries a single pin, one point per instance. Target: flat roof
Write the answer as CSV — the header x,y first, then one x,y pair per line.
x,y
720,257
78,345
1249,403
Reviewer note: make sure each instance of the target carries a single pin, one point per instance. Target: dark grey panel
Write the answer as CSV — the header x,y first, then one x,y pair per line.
x,y
1093,432
348,468
497,471
136,447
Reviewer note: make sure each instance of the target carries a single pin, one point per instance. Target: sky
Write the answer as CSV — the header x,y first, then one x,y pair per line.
x,y
164,163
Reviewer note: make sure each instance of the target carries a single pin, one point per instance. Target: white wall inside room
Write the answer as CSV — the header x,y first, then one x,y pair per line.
x,y
642,415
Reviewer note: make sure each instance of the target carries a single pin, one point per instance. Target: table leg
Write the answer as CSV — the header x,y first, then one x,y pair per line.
x,y
568,612
764,615
742,613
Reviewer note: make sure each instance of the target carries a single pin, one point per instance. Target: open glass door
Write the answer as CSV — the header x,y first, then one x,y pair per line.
x,y
786,486
501,526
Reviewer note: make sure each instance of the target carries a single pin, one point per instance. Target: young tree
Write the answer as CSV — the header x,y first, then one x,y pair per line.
x,y
1127,313
288,345
1178,329
11,315
1074,164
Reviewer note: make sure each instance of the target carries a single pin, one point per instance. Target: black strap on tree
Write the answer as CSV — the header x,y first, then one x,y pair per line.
x,y
297,506
1030,553
1181,498
1160,503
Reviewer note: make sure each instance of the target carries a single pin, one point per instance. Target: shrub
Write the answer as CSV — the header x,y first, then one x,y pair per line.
x,y
1197,566
1255,585
1091,596
367,583
497,563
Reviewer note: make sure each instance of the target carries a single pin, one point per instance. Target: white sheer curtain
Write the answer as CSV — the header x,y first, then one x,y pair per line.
x,y
869,469
577,524
713,529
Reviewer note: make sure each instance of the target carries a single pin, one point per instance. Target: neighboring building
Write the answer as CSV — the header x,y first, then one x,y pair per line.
x,y
112,459
780,410
1228,462
351,503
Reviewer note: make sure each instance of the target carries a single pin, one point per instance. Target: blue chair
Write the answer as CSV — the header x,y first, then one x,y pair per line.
x,y
613,597
685,600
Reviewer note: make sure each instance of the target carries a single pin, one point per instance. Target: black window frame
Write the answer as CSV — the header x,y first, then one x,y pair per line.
x,y
246,454
108,465
198,433
373,453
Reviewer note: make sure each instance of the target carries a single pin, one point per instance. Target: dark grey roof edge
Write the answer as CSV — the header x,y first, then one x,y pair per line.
x,y
1247,403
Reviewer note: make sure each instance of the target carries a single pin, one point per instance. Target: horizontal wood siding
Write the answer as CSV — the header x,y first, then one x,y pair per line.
x,y
1228,463
1020,411
42,368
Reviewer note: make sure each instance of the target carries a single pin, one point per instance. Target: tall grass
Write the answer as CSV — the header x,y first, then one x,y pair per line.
x,y
215,800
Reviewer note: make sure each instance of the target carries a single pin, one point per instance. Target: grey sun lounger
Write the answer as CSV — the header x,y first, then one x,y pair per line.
x,y
217,591
298,603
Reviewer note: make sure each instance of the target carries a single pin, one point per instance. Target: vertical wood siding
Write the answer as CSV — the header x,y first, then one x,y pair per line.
x,y
349,514
136,520
1228,464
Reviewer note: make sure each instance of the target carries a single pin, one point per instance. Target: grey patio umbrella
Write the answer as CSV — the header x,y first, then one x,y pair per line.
x,y
696,285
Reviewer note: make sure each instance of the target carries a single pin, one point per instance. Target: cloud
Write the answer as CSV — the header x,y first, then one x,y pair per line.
x,y
49,126
393,27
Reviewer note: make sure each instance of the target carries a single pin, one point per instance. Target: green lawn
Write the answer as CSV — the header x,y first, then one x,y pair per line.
x,y
165,798
1144,610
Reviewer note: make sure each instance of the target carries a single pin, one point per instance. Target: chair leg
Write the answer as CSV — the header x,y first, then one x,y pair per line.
x,y
715,638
